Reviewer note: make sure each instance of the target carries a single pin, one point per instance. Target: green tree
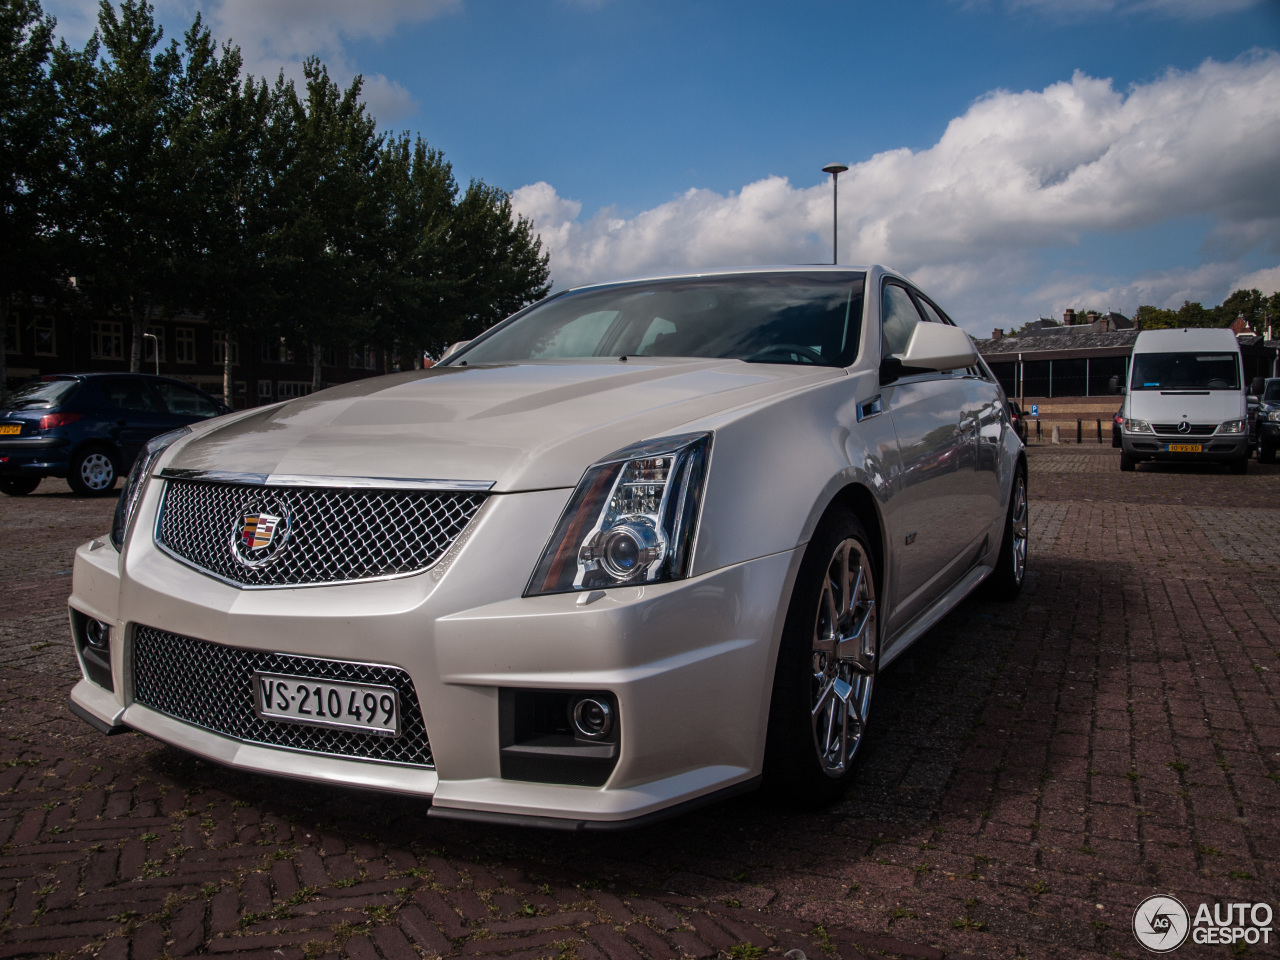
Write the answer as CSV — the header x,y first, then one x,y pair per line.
x,y
30,155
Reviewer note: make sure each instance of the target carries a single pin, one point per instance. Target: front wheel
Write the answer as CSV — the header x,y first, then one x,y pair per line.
x,y
18,486
826,668
1005,581
93,473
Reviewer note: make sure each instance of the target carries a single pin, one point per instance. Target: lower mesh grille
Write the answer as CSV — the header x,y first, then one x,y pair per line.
x,y
211,685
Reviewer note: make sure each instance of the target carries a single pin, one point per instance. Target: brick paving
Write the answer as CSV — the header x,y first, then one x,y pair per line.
x,y
1034,770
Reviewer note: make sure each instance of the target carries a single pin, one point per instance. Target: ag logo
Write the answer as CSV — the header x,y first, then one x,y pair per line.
x,y
1161,923
262,530
1184,427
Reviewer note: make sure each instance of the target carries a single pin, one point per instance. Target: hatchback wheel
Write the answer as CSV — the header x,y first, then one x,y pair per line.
x,y
18,486
826,668
93,473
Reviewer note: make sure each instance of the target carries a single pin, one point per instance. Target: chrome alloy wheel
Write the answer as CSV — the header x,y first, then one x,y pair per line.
x,y
1018,521
845,646
97,472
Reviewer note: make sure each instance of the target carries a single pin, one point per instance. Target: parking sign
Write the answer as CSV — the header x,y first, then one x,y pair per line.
x,y
1035,409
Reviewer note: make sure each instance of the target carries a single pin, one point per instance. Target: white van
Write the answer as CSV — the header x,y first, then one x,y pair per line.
x,y
1185,400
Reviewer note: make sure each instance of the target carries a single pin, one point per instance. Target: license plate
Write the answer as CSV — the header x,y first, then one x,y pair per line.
x,y
1184,448
10,430
365,707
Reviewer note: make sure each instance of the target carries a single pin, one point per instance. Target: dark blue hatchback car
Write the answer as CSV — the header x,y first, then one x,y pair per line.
x,y
89,427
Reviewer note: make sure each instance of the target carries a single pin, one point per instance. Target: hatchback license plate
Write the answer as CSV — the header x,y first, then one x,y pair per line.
x,y
10,430
363,707
1184,448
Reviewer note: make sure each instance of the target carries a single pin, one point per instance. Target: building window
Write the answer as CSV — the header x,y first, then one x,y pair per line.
x,y
106,340
220,349
13,334
288,389
150,348
276,351
184,340
43,337
330,356
362,358
264,391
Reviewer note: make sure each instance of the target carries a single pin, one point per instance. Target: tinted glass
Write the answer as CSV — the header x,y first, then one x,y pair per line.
x,y
129,393
1272,394
1186,371
930,313
900,318
40,393
184,401
764,318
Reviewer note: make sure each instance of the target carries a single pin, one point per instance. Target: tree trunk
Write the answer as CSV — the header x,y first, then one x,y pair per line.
x,y
6,304
315,368
139,325
228,384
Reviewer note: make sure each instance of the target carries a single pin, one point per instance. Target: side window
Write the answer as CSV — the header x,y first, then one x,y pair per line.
x,y
931,312
899,317
934,315
185,402
128,393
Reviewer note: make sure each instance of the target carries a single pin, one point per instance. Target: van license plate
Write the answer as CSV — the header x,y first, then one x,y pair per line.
x,y
1184,448
362,707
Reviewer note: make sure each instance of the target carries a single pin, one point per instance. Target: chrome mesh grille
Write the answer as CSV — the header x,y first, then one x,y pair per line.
x,y
336,534
1197,429
211,685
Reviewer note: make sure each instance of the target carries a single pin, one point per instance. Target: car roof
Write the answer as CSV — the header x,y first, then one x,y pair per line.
x,y
743,271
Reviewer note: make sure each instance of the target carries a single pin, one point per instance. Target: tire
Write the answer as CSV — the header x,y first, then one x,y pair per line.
x,y
1239,466
93,472
1127,463
1005,581
826,668
18,486
1266,452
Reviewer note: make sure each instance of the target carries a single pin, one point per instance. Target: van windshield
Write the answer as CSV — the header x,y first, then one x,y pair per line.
x,y
1186,371
797,318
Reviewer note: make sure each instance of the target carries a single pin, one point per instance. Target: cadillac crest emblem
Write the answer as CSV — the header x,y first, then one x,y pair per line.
x,y
262,530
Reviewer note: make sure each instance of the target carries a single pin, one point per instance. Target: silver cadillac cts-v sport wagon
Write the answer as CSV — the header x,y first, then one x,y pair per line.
x,y
639,546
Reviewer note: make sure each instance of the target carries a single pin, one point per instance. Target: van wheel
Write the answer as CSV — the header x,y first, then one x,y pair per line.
x,y
1127,463
1005,581
826,668
93,473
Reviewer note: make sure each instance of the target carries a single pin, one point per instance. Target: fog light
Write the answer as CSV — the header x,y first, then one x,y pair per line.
x,y
592,718
98,634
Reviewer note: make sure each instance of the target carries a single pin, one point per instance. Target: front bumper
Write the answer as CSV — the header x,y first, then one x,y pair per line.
x,y
1213,449
690,664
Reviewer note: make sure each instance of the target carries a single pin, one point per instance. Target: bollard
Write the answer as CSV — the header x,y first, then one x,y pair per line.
x,y
1099,431
1079,432
1039,432
1056,436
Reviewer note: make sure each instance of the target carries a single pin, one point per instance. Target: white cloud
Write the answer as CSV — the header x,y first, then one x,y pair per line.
x,y
1016,173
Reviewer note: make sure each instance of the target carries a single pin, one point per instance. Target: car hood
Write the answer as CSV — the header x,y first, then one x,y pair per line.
x,y
523,426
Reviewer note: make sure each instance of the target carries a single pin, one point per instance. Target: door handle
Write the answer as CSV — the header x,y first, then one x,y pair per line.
x,y
870,408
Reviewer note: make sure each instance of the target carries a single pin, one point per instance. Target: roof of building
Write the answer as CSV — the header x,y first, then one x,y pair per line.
x,y
1063,339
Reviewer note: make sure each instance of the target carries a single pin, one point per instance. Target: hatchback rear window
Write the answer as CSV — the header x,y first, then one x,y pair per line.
x,y
40,394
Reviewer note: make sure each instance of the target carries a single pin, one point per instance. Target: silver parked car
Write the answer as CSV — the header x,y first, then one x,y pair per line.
x,y
641,545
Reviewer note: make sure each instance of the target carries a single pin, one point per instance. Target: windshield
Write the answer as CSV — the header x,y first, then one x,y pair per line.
x,y
1186,371
1272,393
40,393
793,318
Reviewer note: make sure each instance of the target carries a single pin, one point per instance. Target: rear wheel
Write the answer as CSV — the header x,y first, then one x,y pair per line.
x,y
93,473
1005,581
826,668
18,486
1127,463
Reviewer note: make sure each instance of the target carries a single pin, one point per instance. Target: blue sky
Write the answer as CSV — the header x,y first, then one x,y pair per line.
x,y
1015,156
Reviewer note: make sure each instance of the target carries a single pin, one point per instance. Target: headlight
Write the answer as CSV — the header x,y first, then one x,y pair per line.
x,y
1274,415
1234,426
631,519
132,492
1137,426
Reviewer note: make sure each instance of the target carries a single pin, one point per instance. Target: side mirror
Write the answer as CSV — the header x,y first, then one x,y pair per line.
x,y
454,348
936,346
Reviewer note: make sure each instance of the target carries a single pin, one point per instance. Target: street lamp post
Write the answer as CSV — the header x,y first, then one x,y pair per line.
x,y
835,169
152,336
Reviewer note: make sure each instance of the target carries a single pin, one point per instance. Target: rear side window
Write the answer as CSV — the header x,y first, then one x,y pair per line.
x,y
40,394
183,401
899,318
129,393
